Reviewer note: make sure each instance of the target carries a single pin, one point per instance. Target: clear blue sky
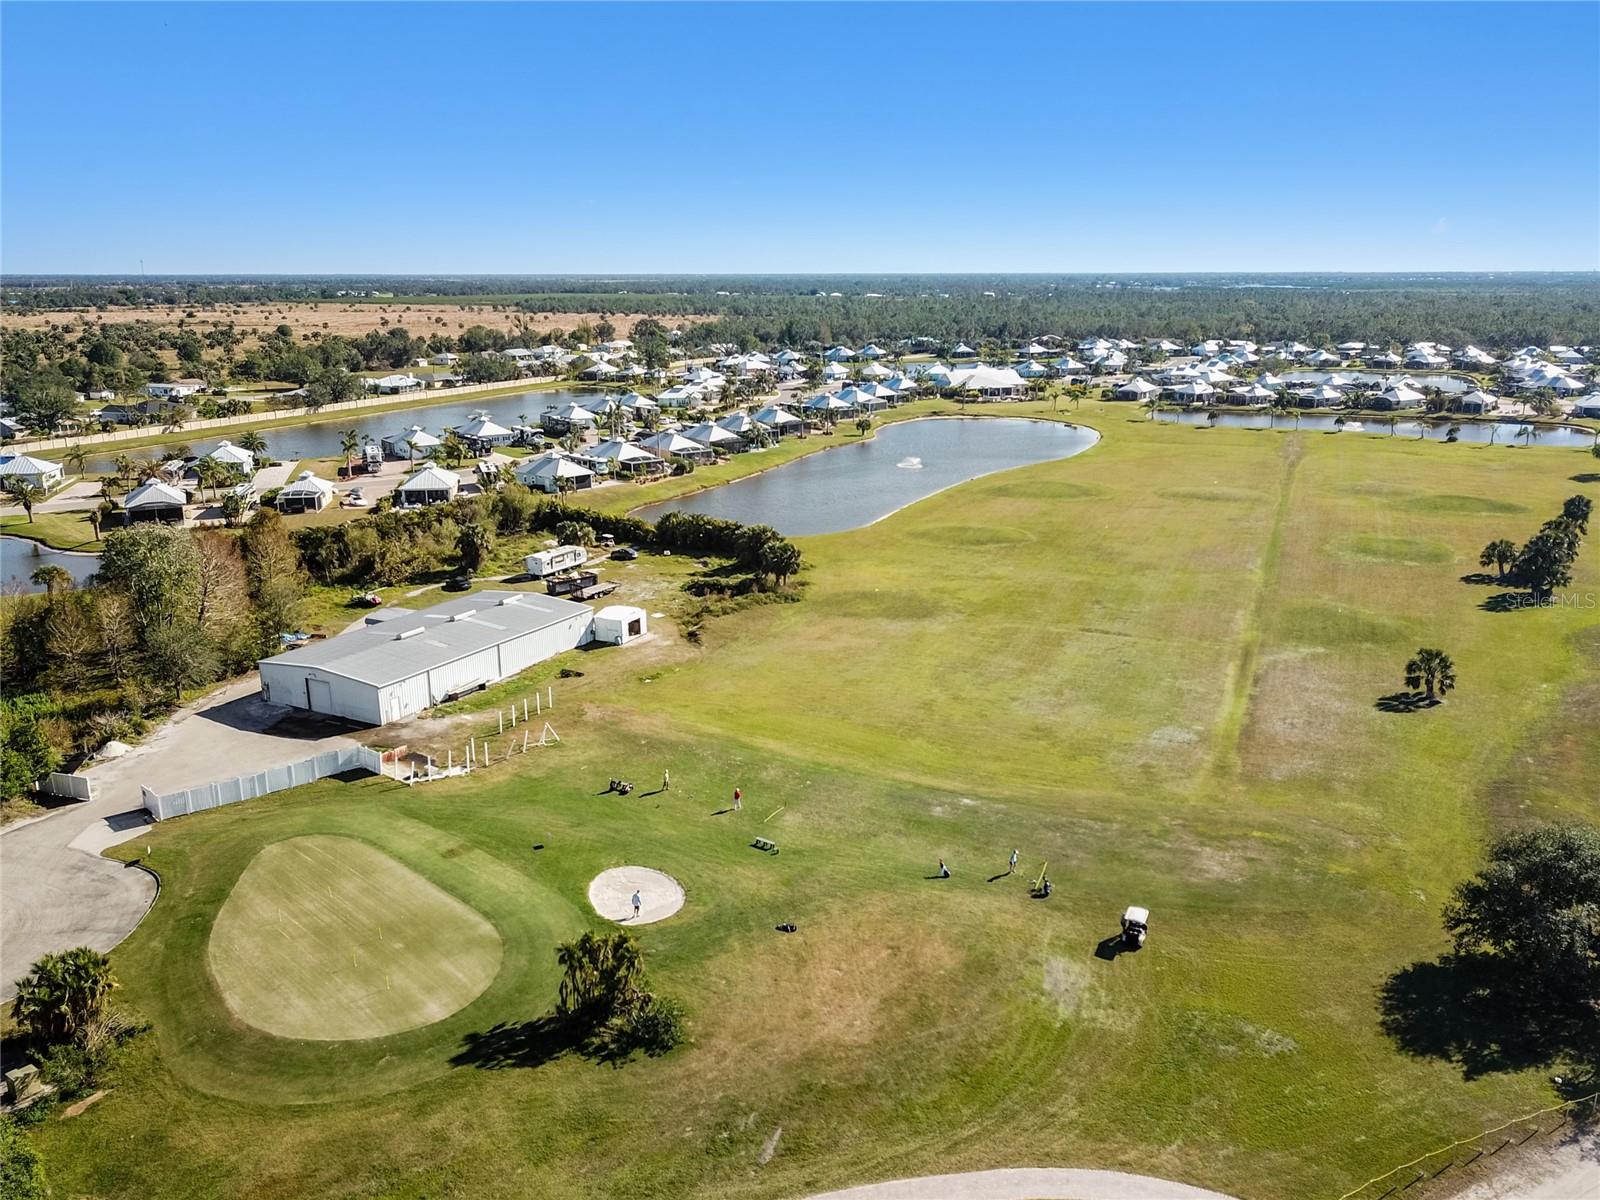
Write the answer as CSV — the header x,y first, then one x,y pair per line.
x,y
799,138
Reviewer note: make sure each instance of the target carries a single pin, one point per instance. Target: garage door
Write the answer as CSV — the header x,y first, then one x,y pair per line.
x,y
319,695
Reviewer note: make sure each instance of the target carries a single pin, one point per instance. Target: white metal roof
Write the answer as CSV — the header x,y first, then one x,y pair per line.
x,y
402,647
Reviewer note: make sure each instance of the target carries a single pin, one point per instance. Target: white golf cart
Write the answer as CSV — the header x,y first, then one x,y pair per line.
x,y
1135,924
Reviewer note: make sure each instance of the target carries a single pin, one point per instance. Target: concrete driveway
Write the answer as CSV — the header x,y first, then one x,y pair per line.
x,y
56,891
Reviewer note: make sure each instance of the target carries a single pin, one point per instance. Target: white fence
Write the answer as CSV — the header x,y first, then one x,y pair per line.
x,y
261,783
78,787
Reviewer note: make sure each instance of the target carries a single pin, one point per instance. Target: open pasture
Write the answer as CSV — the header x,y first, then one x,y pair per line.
x,y
1155,667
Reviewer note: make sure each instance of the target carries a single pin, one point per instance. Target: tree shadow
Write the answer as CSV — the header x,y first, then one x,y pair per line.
x,y
1483,578
1405,702
1482,1014
528,1044
1509,602
1586,477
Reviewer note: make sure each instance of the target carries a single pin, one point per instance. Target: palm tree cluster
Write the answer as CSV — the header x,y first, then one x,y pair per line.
x,y
1545,561
604,1002
64,994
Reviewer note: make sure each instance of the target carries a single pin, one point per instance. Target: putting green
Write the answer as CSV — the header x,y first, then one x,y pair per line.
x,y
325,938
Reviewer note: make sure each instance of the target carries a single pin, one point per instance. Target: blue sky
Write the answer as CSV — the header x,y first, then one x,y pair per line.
x,y
906,137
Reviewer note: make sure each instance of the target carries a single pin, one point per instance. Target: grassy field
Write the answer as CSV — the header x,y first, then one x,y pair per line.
x,y
58,530
363,946
1155,666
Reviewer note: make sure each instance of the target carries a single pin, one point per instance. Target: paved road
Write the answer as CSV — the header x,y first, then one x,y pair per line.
x,y
57,892
1027,1183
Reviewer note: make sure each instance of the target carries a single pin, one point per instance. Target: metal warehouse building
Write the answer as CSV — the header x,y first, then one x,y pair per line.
x,y
400,663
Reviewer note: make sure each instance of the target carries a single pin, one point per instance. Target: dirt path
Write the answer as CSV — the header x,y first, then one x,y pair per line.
x,y
1027,1183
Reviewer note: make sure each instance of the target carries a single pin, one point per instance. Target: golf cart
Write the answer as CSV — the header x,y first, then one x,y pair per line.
x,y
1135,924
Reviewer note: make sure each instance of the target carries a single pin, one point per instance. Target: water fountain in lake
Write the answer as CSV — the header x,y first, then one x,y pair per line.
x,y
910,463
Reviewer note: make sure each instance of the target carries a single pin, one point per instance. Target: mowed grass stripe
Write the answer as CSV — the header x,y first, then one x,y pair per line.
x,y
328,939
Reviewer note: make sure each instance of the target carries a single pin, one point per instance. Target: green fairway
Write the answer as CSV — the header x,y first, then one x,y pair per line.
x,y
328,939
1155,666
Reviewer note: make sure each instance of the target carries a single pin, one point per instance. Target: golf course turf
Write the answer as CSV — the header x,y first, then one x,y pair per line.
x,y
1155,667
326,938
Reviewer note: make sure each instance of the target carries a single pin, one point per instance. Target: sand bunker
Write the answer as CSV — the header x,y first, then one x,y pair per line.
x,y
611,893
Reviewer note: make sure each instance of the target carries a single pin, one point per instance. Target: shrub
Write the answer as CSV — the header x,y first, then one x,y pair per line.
x,y
21,1170
658,1026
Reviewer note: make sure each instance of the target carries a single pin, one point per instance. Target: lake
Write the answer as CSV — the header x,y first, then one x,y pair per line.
x,y
20,558
322,439
1501,433
857,483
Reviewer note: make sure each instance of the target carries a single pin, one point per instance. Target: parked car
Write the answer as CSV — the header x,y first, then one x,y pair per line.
x,y
354,499
625,553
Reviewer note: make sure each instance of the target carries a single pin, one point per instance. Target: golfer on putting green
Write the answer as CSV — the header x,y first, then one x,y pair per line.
x,y
636,903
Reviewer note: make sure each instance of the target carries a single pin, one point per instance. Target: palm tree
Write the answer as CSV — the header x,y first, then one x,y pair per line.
x,y
1432,670
123,465
27,495
63,993
862,425
208,473
252,441
75,460
349,443
1577,510
1498,554
100,514
52,578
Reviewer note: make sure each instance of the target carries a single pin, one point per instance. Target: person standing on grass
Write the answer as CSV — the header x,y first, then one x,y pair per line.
x,y
1013,869
738,799
666,780
636,903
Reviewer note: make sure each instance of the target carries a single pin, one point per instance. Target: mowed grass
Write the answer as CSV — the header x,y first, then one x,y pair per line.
x,y
1160,677
326,938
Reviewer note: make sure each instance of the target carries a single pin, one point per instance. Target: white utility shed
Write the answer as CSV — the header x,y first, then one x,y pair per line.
x,y
619,623
391,669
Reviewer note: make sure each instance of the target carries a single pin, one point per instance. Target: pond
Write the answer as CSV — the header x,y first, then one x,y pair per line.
x,y
322,439
1500,433
20,558
858,483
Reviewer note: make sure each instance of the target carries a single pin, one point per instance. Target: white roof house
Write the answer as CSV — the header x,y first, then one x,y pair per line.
x,y
1478,401
553,471
833,372
24,468
409,442
1253,394
1194,391
1136,389
1401,396
572,415
624,455
1420,357
234,456
431,485
480,426
396,383
872,350
154,500
825,403
775,417
713,436
838,354
307,493
1323,394
962,350
667,444
988,381
681,395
